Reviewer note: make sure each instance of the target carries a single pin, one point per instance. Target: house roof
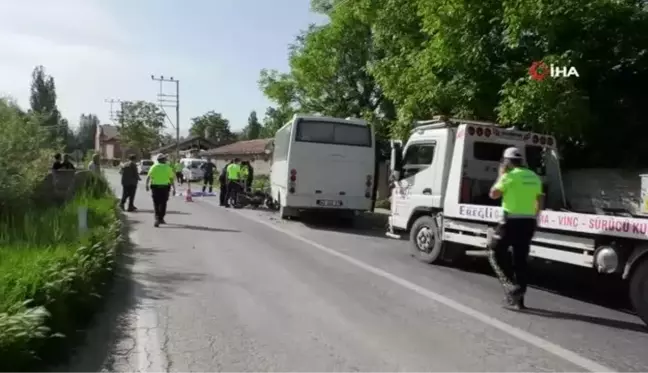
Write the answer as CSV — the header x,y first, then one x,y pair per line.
x,y
187,144
258,146
109,131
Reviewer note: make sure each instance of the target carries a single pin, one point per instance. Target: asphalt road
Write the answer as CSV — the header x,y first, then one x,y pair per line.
x,y
239,290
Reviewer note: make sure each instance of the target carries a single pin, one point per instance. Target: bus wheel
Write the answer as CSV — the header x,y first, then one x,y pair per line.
x,y
425,240
639,289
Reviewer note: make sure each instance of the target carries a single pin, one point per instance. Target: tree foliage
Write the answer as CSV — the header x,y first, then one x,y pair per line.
x,y
45,110
212,126
253,129
85,134
142,125
394,61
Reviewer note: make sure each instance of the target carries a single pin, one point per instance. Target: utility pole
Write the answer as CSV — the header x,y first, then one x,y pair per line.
x,y
172,101
115,115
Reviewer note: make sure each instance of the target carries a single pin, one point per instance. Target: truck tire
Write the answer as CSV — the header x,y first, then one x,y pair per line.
x,y
639,289
425,240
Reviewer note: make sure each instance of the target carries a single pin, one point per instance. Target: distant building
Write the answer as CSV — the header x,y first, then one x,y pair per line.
x,y
258,152
107,143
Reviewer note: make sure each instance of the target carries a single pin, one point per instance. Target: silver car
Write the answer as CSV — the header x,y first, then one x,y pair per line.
x,y
144,166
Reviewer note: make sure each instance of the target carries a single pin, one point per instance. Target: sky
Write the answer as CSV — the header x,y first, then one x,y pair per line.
x,y
108,49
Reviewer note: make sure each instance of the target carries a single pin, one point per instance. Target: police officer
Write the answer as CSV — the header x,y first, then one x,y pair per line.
x,y
233,174
245,171
208,175
521,192
222,180
177,167
160,181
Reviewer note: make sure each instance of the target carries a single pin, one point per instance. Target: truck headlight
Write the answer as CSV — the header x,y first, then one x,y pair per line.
x,y
606,259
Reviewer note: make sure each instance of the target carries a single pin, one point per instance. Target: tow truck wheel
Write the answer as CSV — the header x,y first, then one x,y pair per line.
x,y
639,289
425,241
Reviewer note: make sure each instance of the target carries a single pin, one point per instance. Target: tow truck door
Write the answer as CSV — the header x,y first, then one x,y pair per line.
x,y
412,181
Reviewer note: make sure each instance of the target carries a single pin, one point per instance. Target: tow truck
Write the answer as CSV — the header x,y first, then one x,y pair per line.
x,y
441,179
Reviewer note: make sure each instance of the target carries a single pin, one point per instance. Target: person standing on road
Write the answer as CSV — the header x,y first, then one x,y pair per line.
x,y
521,192
222,180
129,179
208,175
233,173
160,182
178,172
245,171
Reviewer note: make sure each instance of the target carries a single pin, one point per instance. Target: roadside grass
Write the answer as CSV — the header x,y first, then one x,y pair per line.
x,y
51,277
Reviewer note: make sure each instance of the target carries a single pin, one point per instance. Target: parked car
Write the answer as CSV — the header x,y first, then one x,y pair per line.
x,y
143,166
191,168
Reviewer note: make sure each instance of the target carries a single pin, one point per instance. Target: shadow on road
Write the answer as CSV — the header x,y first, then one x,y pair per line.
x,y
617,324
168,212
197,228
367,224
581,284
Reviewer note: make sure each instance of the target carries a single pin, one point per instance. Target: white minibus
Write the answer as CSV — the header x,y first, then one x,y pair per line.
x,y
323,163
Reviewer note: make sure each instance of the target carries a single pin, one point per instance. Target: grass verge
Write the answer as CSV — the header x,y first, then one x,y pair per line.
x,y
52,277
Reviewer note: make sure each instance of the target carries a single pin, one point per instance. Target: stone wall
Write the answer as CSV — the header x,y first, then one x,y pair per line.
x,y
592,189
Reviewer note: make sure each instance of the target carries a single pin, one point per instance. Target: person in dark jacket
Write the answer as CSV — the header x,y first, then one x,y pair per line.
x,y
129,179
67,164
250,176
208,177
222,180
57,165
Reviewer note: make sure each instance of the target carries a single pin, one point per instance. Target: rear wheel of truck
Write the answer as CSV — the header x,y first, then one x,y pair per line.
x,y
639,289
425,240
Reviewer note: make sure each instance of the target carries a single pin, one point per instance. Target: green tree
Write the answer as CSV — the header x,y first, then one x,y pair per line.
x,y
142,125
43,106
253,129
274,119
85,134
212,126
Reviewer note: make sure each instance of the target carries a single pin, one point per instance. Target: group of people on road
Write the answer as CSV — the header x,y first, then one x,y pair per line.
x,y
235,177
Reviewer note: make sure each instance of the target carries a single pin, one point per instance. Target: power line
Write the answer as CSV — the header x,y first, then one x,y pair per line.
x,y
172,101
115,115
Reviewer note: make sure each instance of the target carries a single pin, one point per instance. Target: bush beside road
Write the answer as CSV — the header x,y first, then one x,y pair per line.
x,y
52,275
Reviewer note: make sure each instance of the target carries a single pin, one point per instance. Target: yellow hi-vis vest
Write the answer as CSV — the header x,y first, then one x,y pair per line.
x,y
233,172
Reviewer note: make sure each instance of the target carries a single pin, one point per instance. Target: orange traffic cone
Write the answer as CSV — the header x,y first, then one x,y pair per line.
x,y
188,197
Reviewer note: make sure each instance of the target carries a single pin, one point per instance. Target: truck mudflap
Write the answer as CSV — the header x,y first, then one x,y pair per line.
x,y
616,226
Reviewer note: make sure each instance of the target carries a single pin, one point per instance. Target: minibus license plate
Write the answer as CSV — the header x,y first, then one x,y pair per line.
x,y
328,202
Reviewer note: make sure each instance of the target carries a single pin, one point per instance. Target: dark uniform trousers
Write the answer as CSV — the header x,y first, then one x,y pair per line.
x,y
511,267
128,193
233,189
208,180
160,194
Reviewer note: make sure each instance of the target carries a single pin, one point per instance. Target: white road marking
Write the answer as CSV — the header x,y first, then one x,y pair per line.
x,y
511,330
147,343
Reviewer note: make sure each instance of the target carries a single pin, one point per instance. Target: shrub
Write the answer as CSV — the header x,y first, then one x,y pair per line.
x,y
52,277
26,154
